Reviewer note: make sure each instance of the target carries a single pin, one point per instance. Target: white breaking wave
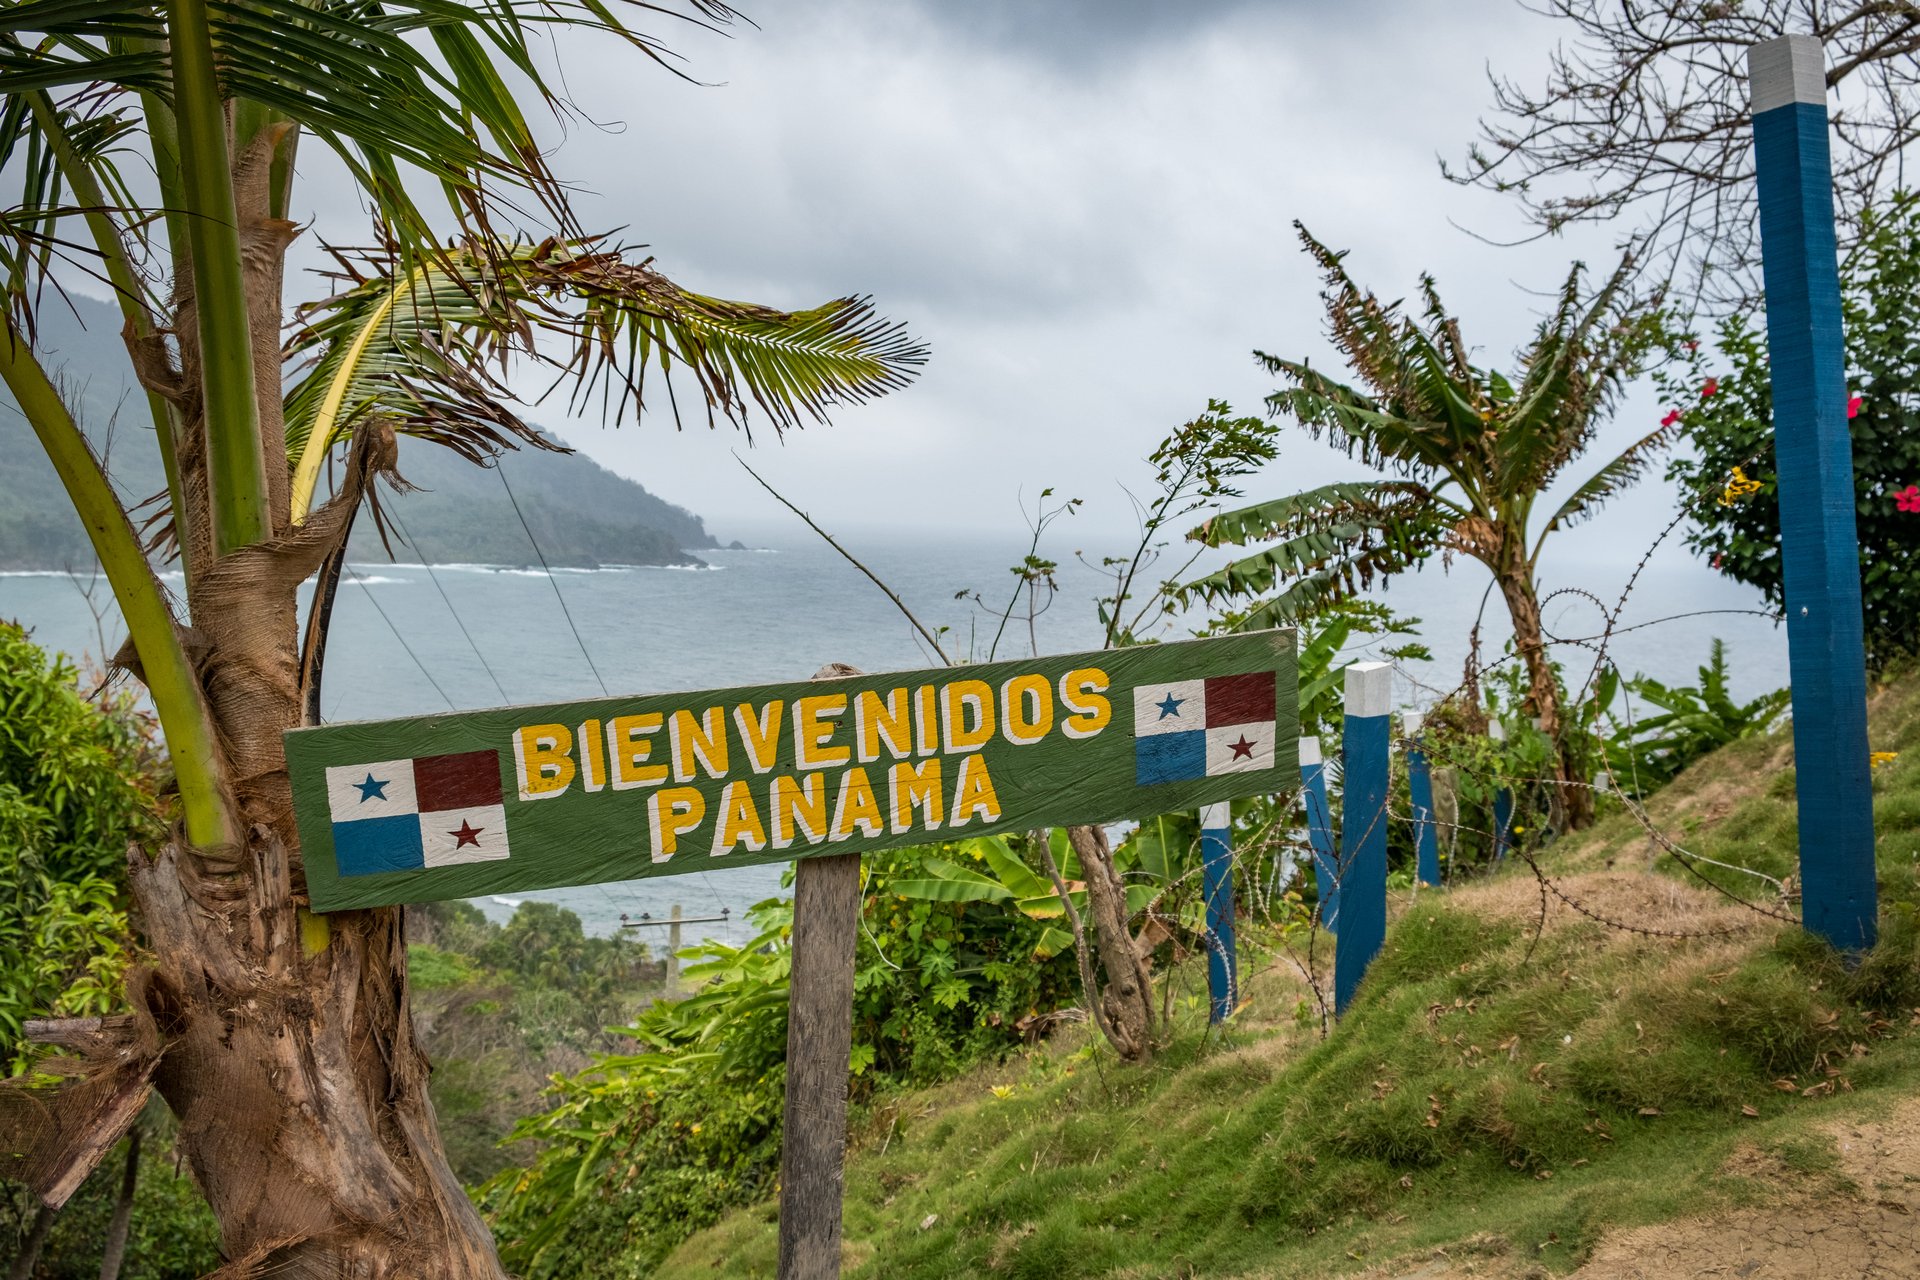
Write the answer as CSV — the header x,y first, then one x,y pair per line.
x,y
507,902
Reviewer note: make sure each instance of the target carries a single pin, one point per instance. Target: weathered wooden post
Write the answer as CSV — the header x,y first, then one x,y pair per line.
x,y
1426,842
1216,881
1365,742
813,1141
1813,463
1313,797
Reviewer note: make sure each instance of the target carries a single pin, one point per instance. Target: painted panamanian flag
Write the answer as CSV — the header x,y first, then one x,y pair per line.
x,y
1190,729
406,815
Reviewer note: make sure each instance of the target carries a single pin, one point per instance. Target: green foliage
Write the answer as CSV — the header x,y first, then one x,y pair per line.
x,y
171,1233
1473,449
1726,407
645,1147
77,784
1649,751
1475,1091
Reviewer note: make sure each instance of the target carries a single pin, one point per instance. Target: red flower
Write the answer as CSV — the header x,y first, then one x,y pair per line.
x,y
1908,499
1716,559
1853,407
1673,416
1712,388
1693,344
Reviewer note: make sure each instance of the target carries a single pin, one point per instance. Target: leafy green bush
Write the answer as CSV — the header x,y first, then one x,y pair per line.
x,y
644,1148
1648,751
1728,415
77,783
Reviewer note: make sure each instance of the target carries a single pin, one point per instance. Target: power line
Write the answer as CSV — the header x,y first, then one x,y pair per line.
x,y
402,639
427,565
551,580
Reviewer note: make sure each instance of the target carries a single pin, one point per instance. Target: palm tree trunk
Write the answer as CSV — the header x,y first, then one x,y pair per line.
x,y
1573,803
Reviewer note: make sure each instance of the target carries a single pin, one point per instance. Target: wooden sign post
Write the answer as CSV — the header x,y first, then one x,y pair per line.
x,y
1364,739
1313,798
1813,463
1216,887
519,798
1426,843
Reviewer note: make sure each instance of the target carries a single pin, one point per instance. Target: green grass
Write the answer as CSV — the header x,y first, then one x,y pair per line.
x,y
1475,1098
1466,1097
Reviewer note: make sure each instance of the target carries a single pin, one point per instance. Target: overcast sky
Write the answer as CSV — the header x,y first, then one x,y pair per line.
x,y
1084,208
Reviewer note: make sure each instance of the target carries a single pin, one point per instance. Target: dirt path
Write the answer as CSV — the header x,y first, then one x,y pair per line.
x,y
1868,1230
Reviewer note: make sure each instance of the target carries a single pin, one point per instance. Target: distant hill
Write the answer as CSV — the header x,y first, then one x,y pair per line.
x,y
581,513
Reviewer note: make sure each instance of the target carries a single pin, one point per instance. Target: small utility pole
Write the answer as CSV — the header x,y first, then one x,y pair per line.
x,y
1813,460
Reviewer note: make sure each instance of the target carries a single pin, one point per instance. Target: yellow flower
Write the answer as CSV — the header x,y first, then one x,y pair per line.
x,y
1003,1091
1878,758
1738,486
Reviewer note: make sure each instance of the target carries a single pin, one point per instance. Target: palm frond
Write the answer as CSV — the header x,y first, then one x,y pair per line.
x,y
411,346
356,75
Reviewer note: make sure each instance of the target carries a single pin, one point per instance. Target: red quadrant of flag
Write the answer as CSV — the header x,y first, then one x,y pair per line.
x,y
1240,699
463,781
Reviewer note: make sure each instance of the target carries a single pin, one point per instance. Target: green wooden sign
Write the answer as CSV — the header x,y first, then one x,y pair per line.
x,y
484,802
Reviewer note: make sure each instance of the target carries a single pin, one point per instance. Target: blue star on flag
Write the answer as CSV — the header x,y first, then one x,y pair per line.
x,y
1170,707
372,788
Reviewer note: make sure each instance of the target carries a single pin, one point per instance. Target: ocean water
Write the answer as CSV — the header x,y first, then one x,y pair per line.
x,y
413,639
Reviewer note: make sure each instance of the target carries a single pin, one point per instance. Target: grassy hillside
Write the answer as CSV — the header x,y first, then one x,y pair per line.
x,y
583,514
1495,1104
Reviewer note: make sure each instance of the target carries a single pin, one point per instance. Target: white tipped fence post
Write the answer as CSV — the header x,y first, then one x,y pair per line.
x,y
1426,840
1813,463
1216,880
1365,742
1313,796
1502,804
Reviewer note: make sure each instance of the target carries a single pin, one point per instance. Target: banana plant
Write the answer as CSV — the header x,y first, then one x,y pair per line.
x,y
995,873
1468,454
335,1165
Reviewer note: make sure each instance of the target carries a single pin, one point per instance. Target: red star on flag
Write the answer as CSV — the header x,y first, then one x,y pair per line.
x,y
468,834
1243,749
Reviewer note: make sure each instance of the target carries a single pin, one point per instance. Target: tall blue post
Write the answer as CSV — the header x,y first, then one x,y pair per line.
x,y
1426,839
1216,886
1502,824
1365,743
1313,796
1813,460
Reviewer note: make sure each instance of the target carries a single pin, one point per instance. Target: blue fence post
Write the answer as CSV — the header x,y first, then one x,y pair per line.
x,y
1216,886
1426,840
1313,797
1365,743
1502,824
1813,463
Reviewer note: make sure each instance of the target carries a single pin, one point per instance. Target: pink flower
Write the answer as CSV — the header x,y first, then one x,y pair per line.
x,y
1673,416
1716,559
1712,388
1908,499
1853,407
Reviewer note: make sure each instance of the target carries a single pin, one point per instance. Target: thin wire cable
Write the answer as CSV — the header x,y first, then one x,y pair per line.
x,y
394,516
551,580
402,639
